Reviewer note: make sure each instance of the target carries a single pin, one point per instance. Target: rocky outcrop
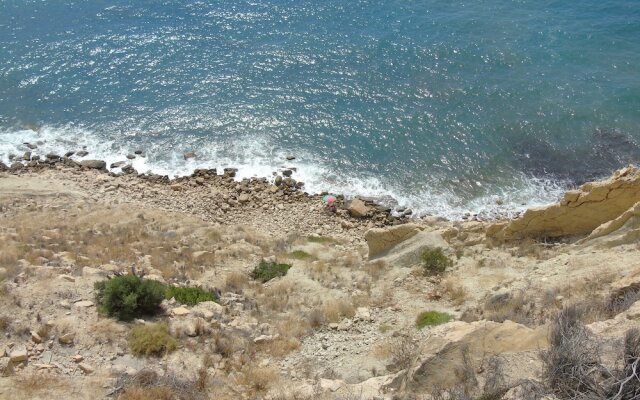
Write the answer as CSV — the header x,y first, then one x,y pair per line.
x,y
93,164
441,355
623,230
409,252
381,240
579,212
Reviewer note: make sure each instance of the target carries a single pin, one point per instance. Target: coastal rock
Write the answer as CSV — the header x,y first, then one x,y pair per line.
x,y
578,213
409,252
622,230
69,153
3,166
118,164
381,240
82,153
52,157
357,208
31,146
188,155
441,355
93,164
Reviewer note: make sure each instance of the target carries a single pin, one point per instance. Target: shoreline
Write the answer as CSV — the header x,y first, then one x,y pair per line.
x,y
389,211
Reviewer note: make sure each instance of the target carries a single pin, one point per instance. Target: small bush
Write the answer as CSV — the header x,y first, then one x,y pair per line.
x,y
190,295
435,262
432,318
301,255
151,339
127,297
265,271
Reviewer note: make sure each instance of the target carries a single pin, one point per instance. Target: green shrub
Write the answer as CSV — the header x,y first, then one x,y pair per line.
x,y
301,255
265,271
435,262
432,318
127,297
151,340
190,295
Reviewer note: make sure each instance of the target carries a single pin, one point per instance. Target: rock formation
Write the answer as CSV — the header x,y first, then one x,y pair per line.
x,y
578,213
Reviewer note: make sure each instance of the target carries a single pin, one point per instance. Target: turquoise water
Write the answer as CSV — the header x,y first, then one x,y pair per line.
x,y
443,106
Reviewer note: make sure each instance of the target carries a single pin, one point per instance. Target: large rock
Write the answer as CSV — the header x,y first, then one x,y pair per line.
x,y
623,230
357,208
409,252
579,212
94,164
382,240
441,355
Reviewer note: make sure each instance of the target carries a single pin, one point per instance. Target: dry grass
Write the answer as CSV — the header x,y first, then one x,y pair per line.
x,y
38,384
376,269
336,310
179,247
454,289
257,379
107,331
148,393
236,281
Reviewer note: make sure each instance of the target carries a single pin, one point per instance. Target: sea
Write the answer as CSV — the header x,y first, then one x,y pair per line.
x,y
447,107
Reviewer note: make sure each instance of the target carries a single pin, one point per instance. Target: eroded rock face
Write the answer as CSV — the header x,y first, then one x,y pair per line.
x,y
579,212
382,240
623,230
441,355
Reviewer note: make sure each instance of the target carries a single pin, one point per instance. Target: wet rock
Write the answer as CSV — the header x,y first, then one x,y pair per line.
x,y
82,153
189,155
69,153
52,157
93,164
31,146
131,156
287,172
138,152
118,164
16,166
3,166
278,181
27,156
230,172
289,158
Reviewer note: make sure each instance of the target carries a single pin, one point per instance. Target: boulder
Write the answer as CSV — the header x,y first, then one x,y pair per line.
x,y
180,311
3,166
381,240
93,164
19,355
441,355
86,368
357,208
409,253
67,338
189,154
82,153
623,230
578,213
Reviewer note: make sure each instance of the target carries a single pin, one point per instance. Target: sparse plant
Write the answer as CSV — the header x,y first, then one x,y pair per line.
x,y
571,365
301,255
190,295
435,262
432,318
151,340
128,296
321,239
265,271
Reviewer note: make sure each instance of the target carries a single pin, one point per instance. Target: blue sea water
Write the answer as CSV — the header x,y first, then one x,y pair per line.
x,y
445,106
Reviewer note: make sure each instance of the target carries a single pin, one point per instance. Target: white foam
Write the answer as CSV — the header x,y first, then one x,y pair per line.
x,y
258,157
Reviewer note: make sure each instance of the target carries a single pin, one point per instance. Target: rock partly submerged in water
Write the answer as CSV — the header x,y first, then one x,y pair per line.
x,y
578,213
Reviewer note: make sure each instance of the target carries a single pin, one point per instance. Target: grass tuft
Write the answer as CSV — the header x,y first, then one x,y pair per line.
x,y
265,271
151,340
432,318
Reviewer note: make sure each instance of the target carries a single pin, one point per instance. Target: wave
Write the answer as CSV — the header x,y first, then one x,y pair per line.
x,y
258,157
